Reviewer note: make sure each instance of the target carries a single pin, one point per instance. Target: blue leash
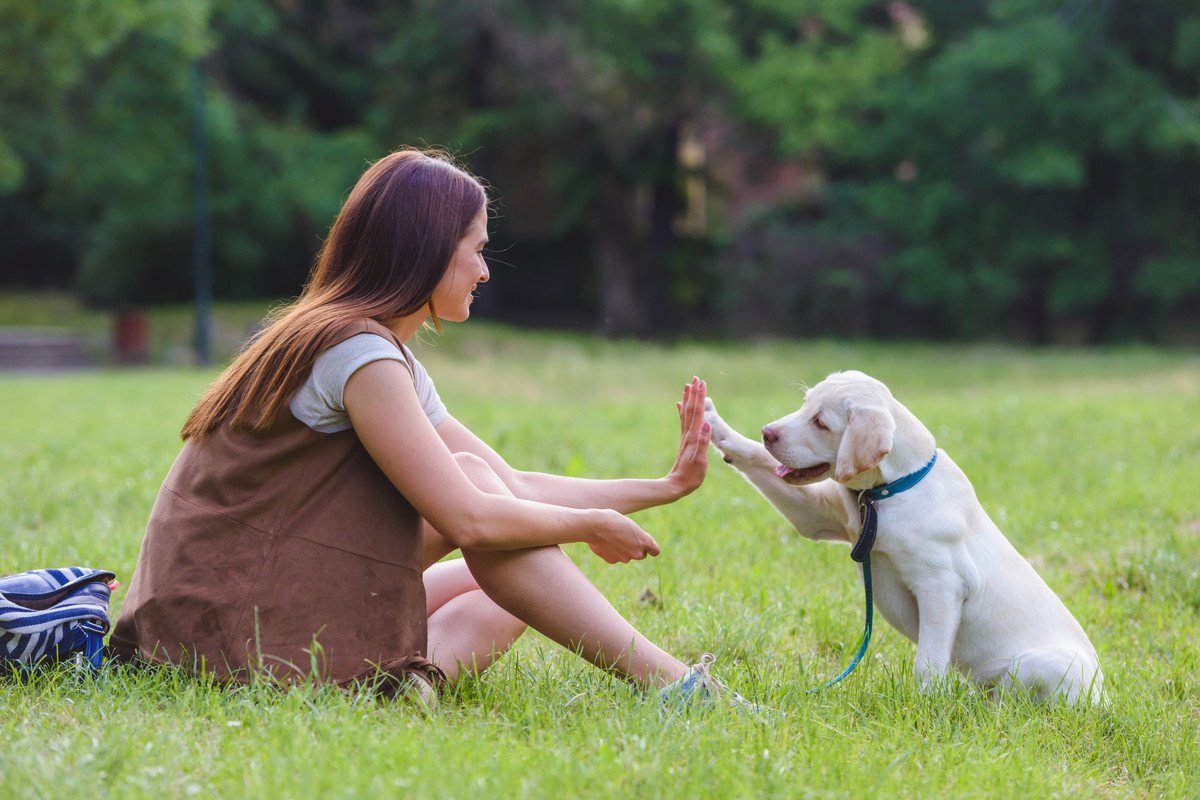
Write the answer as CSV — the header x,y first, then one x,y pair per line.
x,y
866,637
862,551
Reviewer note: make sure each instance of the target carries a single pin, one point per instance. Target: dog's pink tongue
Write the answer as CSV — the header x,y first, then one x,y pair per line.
x,y
783,471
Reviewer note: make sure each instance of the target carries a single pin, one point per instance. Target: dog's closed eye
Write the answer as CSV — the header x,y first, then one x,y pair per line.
x,y
820,423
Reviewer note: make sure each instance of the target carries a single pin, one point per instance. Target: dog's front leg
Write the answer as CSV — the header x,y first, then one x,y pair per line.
x,y
748,456
939,612
817,511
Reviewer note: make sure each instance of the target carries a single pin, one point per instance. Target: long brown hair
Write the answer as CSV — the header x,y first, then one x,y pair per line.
x,y
389,246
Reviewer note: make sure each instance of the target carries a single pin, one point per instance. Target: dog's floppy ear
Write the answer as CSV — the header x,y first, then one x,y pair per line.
x,y
867,439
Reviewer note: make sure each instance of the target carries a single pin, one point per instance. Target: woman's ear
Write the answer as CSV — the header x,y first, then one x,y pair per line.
x,y
866,440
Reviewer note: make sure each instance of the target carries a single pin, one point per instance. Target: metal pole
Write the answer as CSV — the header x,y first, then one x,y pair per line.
x,y
202,259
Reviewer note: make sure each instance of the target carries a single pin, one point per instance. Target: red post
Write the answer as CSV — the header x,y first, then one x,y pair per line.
x,y
129,337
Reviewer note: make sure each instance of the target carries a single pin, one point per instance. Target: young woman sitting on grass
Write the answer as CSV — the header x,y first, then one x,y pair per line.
x,y
322,481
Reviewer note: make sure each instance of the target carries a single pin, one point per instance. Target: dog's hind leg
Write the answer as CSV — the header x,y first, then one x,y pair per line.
x,y
1055,672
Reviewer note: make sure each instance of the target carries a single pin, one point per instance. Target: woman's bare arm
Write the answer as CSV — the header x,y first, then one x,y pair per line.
x,y
625,495
387,417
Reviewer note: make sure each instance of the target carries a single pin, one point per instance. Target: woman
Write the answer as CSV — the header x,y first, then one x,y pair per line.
x,y
321,478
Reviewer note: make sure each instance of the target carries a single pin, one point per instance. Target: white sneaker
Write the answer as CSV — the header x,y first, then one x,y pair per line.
x,y
699,687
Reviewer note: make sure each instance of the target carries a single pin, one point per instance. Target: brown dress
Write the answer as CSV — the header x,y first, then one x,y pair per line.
x,y
281,554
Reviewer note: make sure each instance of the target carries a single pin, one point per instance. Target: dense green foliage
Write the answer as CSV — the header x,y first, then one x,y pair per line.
x,y
961,168
1060,183
1087,460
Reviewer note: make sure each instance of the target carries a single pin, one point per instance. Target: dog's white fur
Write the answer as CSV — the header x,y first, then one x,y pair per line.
x,y
943,573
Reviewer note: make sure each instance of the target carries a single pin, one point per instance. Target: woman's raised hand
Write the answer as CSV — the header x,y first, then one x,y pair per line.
x,y
618,539
691,463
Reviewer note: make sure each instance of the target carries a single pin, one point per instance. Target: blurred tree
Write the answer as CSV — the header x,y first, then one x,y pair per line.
x,y
606,89
1033,162
94,101
596,99
92,106
961,160
799,88
574,109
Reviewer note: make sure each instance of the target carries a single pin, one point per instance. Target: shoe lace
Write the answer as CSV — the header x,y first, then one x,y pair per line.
x,y
706,679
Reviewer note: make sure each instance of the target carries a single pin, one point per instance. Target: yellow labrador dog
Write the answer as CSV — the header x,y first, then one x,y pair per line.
x,y
944,574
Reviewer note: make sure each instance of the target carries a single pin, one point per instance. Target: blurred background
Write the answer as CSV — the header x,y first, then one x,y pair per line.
x,y
1012,170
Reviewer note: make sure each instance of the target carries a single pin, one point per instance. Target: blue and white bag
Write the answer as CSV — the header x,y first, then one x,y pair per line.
x,y
54,614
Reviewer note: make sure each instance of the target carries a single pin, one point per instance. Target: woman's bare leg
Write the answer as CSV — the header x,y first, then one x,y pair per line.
x,y
543,587
467,631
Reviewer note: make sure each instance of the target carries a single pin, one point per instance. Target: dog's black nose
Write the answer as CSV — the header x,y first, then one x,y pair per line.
x,y
769,434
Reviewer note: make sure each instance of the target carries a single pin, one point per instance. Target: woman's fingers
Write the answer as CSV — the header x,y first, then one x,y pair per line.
x,y
687,408
625,541
691,461
692,409
684,408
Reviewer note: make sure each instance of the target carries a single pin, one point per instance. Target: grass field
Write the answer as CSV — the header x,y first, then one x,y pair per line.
x,y
1087,460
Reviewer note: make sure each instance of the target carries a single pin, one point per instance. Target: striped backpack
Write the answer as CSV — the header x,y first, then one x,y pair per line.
x,y
54,614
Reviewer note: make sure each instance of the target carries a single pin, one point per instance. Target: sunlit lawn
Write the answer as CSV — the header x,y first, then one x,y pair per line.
x,y
1089,462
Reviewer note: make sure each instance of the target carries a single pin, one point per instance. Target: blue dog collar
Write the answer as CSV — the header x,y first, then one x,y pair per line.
x,y
866,507
901,484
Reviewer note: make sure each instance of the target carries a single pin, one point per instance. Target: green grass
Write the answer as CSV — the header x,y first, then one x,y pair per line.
x,y
1088,460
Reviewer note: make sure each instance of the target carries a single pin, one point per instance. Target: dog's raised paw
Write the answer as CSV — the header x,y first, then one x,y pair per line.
x,y
724,438
713,418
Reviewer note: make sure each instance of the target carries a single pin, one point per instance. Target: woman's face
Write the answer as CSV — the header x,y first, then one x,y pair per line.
x,y
453,295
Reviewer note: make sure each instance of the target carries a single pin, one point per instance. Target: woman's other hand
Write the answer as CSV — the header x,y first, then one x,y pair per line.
x,y
618,539
691,463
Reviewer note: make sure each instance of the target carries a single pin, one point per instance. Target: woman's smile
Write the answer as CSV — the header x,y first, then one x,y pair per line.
x,y
468,269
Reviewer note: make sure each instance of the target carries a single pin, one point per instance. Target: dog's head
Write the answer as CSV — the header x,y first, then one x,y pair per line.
x,y
845,428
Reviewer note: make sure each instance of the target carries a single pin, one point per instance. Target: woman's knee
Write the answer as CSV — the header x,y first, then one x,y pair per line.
x,y
480,473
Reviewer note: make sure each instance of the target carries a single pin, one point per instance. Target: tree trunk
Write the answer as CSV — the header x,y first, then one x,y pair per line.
x,y
1114,319
635,240
1035,308
660,238
621,309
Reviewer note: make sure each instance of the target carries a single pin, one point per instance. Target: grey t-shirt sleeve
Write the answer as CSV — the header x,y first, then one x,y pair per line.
x,y
435,409
318,403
